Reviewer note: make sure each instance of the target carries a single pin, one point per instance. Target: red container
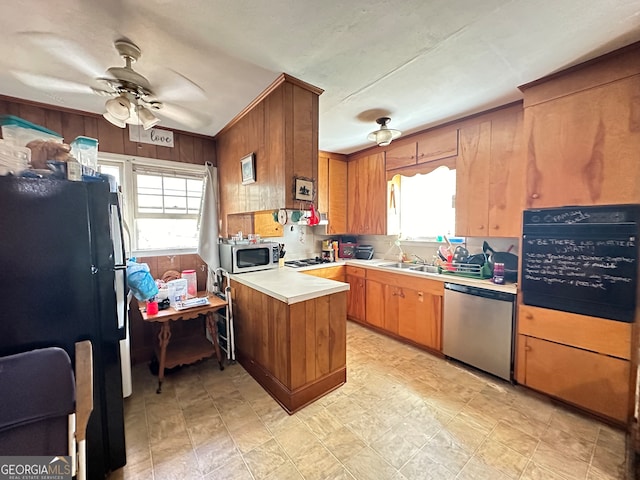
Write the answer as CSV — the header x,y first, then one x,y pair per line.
x,y
192,282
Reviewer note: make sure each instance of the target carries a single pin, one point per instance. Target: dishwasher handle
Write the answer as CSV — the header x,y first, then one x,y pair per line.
x,y
480,292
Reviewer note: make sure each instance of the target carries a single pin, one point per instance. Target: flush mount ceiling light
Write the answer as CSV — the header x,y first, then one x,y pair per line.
x,y
385,135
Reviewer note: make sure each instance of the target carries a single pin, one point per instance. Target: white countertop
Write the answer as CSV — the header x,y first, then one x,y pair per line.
x,y
289,286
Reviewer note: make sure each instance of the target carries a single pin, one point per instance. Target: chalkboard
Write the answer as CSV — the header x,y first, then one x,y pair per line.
x,y
591,274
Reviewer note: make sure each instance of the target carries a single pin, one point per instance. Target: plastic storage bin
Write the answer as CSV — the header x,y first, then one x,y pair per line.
x,y
85,150
19,132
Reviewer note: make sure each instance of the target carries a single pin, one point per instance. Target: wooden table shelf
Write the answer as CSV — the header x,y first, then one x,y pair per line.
x,y
185,351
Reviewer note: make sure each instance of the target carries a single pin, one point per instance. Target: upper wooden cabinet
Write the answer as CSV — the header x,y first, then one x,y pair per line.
x,y
490,175
432,145
261,223
332,190
281,129
367,191
583,147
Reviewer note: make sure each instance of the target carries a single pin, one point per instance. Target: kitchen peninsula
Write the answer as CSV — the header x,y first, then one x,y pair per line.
x,y
290,332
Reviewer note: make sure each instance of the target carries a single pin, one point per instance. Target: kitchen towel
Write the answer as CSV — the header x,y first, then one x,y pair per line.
x,y
208,224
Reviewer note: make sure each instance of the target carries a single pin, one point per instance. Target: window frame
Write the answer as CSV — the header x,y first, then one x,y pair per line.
x,y
410,171
127,165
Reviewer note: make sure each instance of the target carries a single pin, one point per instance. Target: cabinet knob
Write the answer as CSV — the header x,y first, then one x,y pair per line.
x,y
527,348
480,227
528,316
535,195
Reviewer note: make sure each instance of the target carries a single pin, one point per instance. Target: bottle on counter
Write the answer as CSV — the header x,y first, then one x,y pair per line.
x,y
498,273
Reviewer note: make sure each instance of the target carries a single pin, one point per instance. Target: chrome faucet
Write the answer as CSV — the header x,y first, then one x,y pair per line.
x,y
419,258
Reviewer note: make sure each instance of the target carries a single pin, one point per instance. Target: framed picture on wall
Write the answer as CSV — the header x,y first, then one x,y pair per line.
x,y
248,169
304,189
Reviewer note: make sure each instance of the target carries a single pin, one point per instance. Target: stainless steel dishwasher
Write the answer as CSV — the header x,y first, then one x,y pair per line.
x,y
478,328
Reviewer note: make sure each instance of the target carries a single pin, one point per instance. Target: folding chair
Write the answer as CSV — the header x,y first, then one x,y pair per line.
x,y
45,408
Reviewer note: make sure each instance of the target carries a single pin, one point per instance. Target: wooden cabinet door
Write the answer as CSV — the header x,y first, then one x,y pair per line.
x,y
367,188
421,318
506,174
437,144
582,149
356,298
472,180
332,191
265,225
375,301
337,197
393,298
590,380
400,156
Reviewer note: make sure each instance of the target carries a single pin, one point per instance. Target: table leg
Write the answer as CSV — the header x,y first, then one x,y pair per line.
x,y
163,338
212,327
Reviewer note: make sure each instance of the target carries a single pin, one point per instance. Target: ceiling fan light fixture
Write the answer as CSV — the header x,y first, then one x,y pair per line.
x,y
118,107
384,136
113,120
147,118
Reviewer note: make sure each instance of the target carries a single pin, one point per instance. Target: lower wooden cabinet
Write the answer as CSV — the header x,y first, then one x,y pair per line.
x,y
587,379
375,303
580,359
356,296
405,306
420,318
332,273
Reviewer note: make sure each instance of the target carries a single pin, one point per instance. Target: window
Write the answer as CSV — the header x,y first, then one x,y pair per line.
x,y
424,204
161,202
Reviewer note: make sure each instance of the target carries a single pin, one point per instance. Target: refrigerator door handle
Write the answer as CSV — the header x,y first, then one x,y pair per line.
x,y
120,264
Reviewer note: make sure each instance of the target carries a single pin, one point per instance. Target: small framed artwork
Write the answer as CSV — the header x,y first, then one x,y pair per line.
x,y
304,189
248,168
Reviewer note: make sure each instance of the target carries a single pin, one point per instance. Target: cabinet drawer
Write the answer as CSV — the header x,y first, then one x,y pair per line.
x,y
356,271
590,380
581,331
434,287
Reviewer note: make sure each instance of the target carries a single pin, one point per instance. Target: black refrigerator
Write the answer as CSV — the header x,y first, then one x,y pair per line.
x,y
60,283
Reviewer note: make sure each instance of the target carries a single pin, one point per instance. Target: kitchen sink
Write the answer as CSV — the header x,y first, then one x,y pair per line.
x,y
425,268
397,265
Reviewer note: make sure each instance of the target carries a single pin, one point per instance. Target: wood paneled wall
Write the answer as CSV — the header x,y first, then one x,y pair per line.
x,y
188,148
281,129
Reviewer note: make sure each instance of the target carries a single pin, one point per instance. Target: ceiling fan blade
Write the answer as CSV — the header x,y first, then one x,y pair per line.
x,y
66,51
176,87
51,84
188,118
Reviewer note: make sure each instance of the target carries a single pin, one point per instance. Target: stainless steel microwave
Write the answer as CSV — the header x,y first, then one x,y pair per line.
x,y
250,257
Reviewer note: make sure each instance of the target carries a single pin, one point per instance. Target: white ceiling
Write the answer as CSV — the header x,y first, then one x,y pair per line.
x,y
421,62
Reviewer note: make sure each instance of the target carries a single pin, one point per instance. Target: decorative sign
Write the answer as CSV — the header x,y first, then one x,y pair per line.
x,y
154,136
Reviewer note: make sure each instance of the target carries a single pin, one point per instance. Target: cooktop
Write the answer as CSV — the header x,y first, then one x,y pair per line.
x,y
305,262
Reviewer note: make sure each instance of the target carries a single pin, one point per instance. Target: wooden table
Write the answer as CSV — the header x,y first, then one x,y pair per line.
x,y
187,350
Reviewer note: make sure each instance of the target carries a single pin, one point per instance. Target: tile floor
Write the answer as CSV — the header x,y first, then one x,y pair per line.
x,y
403,414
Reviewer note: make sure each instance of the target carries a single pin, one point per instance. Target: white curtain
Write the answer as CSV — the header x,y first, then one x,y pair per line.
x,y
208,222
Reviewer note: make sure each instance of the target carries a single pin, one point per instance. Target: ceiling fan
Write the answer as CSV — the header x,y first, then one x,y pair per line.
x,y
132,99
